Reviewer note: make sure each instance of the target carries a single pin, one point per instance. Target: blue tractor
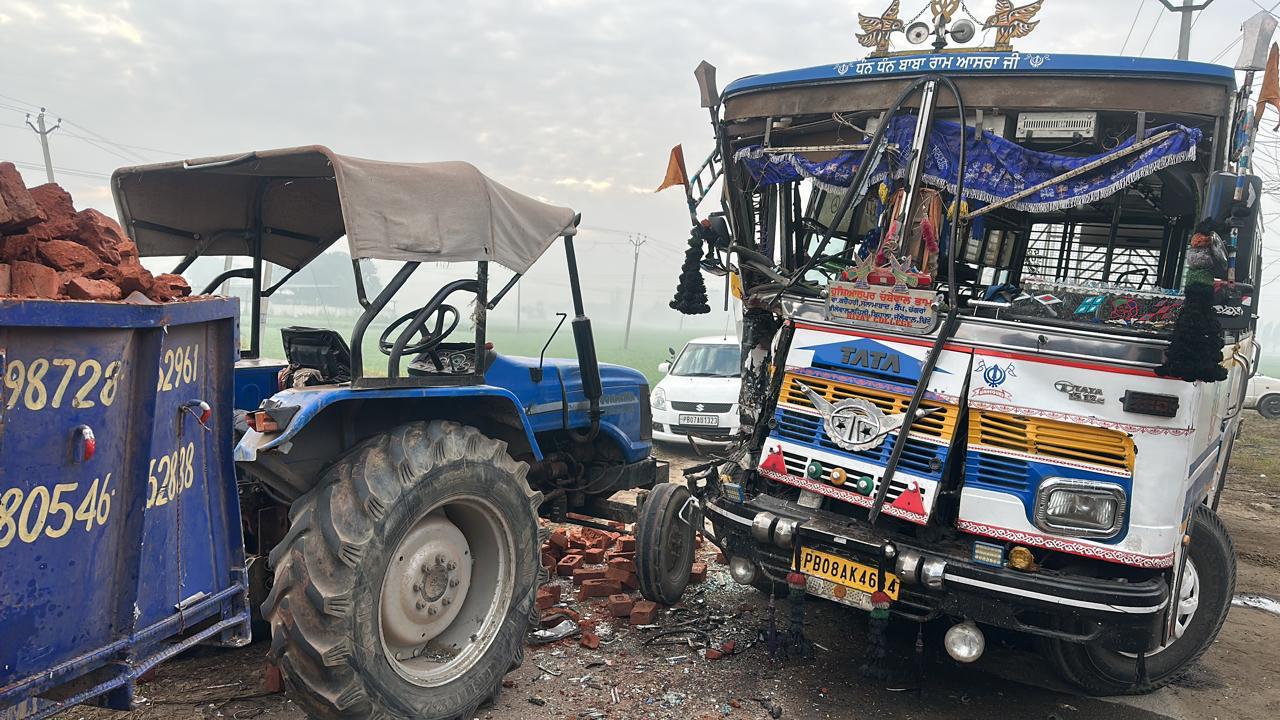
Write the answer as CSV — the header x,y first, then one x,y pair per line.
x,y
391,510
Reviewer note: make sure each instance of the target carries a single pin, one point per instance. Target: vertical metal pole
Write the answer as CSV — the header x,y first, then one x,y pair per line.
x,y
481,316
636,242
920,143
44,132
266,301
519,308
1184,33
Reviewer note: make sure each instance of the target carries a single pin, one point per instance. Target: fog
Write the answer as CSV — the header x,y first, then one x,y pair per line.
x,y
572,101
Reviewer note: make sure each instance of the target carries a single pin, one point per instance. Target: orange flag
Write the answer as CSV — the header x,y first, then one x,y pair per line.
x,y
1270,94
676,174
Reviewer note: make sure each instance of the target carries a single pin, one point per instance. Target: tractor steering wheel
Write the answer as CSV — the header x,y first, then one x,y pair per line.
x,y
430,339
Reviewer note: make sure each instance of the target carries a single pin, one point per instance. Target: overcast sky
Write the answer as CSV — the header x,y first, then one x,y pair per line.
x,y
574,101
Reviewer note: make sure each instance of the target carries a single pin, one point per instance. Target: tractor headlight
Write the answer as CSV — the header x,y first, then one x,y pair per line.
x,y
658,399
1080,508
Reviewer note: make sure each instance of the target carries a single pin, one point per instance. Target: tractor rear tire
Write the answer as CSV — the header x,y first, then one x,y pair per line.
x,y
664,544
406,582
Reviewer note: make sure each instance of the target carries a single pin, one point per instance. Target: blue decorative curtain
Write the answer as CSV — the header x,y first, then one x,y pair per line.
x,y
996,168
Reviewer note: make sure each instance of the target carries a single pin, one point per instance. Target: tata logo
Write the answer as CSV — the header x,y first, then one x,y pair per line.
x,y
1079,393
856,424
878,360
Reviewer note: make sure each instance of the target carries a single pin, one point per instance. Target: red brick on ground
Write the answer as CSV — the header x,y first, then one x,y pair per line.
x,y
620,605
560,539
598,589
273,679
583,574
645,612
626,543
31,280
568,564
698,572
17,208
620,576
714,654
613,554
544,599
589,640
83,288
623,563
551,618
549,561
594,556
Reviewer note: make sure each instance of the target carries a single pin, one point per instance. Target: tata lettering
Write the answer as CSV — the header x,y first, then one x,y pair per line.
x,y
870,359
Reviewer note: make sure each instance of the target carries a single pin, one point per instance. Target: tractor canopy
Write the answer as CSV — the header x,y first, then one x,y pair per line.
x,y
296,202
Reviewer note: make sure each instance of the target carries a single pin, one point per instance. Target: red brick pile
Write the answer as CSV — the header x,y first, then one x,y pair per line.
x,y
49,250
601,565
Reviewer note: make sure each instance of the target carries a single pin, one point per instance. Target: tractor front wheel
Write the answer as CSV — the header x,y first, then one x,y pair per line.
x,y
665,543
406,582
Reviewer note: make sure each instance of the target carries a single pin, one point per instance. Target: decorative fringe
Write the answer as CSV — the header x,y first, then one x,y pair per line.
x,y
794,161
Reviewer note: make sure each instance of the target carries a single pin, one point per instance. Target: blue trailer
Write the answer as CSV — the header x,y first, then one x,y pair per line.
x,y
390,514
120,540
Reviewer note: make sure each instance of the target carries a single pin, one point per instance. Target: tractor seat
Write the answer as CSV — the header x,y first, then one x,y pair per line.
x,y
321,355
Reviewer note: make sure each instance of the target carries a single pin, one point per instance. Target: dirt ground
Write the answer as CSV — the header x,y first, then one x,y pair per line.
x,y
632,676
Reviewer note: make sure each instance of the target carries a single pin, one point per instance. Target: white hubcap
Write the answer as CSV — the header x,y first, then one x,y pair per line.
x,y
426,583
447,588
1188,603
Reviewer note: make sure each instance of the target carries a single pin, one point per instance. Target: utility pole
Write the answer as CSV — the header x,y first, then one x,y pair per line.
x,y
1184,33
43,132
636,241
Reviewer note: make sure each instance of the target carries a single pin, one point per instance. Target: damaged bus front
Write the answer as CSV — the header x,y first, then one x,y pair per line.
x,y
997,326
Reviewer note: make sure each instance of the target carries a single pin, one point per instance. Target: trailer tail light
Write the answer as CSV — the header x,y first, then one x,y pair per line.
x,y
260,421
85,443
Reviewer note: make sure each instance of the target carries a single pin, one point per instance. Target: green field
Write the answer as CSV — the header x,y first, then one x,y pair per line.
x,y
648,346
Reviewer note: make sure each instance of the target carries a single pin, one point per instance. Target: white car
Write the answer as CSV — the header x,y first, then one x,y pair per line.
x,y
1264,394
699,395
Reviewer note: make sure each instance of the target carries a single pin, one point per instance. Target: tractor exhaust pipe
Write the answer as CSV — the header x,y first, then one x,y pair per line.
x,y
584,341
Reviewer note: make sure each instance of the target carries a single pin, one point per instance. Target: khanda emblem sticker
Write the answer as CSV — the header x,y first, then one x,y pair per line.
x,y
994,376
856,424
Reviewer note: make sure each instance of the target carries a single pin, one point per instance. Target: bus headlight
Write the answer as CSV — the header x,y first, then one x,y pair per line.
x,y
1080,508
658,399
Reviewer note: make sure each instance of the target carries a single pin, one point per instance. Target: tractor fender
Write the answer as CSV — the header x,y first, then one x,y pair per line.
x,y
316,403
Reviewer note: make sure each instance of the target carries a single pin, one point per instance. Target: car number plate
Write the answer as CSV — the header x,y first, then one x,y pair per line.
x,y
703,420
848,573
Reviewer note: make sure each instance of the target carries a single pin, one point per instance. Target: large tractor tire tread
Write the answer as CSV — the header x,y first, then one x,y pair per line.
x,y
312,607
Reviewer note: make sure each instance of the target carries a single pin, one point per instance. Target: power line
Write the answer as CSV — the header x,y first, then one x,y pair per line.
x,y
1132,25
68,171
1151,34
